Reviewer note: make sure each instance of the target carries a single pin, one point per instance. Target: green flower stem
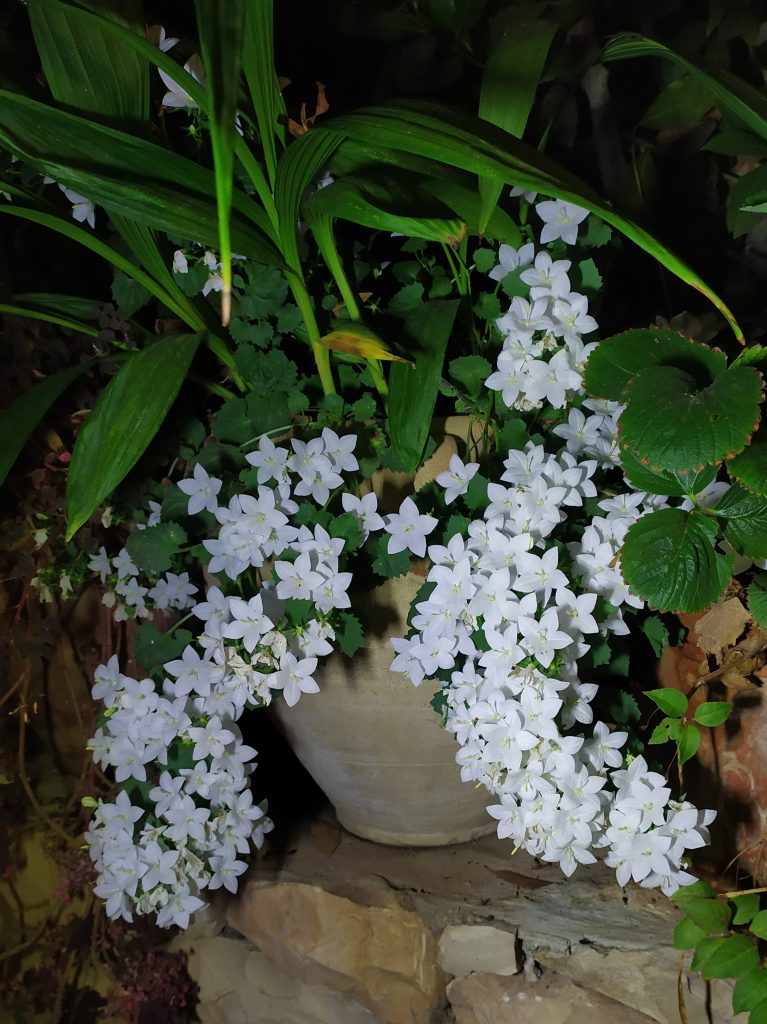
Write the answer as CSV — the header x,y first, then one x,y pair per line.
x,y
376,372
212,387
180,622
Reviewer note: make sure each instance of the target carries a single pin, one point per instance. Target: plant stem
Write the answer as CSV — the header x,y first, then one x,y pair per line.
x,y
321,354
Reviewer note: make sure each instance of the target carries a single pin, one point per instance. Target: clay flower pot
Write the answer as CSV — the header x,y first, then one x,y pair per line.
x,y
375,746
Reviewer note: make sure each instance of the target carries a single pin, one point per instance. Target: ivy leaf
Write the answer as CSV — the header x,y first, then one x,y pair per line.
x,y
746,907
153,549
656,632
154,649
619,359
671,702
591,279
265,293
687,934
758,925
232,422
456,524
129,295
669,559
513,435
750,991
713,713
471,372
725,958
485,260
679,424
350,636
711,915
750,467
688,743
757,600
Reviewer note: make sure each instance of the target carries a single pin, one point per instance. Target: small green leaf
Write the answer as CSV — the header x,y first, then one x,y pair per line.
x,y
591,279
725,958
667,730
476,497
154,548
683,424
656,632
669,559
364,408
750,990
390,566
746,907
348,528
619,359
153,648
713,713
350,636
456,524
126,417
688,743
513,435
687,934
471,372
757,600
671,702
711,915
692,891
758,925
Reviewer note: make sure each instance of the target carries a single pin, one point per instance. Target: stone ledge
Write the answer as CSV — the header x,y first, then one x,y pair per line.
x,y
336,930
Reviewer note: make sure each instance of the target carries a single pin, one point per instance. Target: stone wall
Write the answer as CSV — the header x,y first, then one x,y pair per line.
x,y
336,930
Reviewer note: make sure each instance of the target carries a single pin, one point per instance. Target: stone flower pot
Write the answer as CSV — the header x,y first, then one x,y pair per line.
x,y
375,746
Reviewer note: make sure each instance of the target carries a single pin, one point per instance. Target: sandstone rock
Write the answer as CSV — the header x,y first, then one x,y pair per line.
x,y
383,957
240,985
553,999
645,980
464,948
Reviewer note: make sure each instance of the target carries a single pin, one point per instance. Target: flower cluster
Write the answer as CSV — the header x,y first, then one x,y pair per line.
x,y
514,599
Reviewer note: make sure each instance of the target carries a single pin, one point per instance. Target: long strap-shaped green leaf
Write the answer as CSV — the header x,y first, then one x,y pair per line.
x,y
87,69
47,316
126,417
258,65
509,83
461,140
732,94
129,176
220,27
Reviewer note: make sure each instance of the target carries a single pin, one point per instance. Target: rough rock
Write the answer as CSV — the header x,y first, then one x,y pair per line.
x,y
239,985
383,957
464,948
553,999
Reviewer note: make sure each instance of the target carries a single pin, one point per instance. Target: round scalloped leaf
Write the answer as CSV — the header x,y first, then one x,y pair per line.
x,y
644,478
669,559
619,359
750,467
677,425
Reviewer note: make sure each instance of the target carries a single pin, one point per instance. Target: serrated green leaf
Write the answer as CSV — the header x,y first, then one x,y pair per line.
x,y
485,260
746,907
711,915
154,548
757,599
750,990
745,515
713,713
661,482
456,524
347,527
692,891
671,702
364,408
619,359
687,934
758,925
350,637
725,958
668,558
656,632
124,420
750,466
680,426
688,743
